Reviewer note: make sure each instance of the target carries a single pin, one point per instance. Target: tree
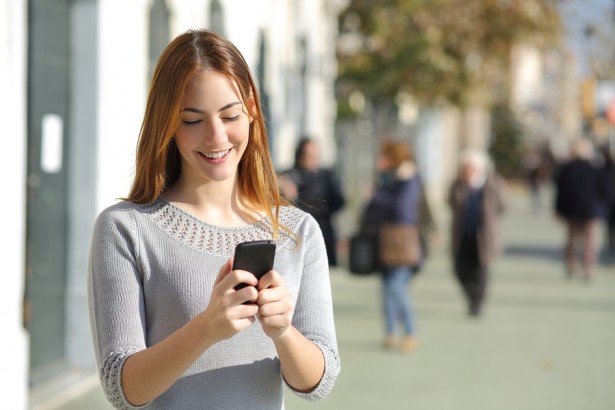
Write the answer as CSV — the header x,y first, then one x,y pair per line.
x,y
506,146
454,51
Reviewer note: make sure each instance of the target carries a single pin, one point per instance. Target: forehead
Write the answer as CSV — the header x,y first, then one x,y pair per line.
x,y
311,147
210,87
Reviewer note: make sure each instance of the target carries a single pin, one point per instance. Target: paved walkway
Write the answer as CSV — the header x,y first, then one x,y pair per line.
x,y
544,343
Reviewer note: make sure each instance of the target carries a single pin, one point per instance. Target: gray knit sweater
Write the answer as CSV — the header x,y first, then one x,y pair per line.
x,y
152,268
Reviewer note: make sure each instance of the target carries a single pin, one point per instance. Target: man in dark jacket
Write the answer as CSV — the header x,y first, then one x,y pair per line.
x,y
608,182
476,201
580,203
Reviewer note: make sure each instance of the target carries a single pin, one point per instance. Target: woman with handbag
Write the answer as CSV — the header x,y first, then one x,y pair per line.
x,y
393,212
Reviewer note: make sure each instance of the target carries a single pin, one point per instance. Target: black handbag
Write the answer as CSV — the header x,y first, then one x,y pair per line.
x,y
363,255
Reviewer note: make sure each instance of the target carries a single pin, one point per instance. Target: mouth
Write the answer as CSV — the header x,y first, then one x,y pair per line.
x,y
215,156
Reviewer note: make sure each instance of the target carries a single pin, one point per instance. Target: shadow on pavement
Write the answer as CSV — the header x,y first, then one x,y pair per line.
x,y
534,251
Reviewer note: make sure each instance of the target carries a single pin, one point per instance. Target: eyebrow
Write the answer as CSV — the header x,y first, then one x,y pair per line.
x,y
199,111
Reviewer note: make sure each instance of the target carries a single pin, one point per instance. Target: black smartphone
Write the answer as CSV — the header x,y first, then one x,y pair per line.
x,y
255,257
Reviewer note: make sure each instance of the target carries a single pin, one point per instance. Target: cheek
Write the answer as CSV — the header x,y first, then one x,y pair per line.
x,y
241,136
185,137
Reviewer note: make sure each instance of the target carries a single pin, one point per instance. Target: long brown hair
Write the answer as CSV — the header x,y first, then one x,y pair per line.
x,y
158,163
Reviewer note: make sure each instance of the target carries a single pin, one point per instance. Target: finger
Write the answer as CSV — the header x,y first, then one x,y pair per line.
x,y
270,279
274,301
246,295
275,321
239,279
271,295
282,307
243,311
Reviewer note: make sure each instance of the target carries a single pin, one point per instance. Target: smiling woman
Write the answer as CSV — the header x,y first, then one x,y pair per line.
x,y
170,328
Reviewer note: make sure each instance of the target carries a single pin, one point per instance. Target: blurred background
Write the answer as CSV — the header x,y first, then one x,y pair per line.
x,y
513,77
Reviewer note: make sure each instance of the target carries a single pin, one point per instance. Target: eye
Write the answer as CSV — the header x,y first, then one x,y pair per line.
x,y
191,122
230,119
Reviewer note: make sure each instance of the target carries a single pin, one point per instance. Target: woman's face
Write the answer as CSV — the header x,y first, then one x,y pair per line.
x,y
383,163
214,129
310,158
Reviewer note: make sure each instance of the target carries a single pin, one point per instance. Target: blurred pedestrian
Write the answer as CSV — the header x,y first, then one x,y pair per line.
x,y
170,328
608,183
476,201
580,203
314,189
539,164
396,200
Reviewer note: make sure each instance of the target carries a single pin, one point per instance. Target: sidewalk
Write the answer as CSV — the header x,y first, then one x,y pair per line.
x,y
544,343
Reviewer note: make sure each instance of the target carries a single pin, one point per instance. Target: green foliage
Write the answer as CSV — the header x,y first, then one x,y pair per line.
x,y
506,141
436,50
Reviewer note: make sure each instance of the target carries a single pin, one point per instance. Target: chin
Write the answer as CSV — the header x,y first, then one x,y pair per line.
x,y
221,177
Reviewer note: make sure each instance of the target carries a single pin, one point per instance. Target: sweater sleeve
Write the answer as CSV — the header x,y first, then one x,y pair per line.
x,y
115,297
314,310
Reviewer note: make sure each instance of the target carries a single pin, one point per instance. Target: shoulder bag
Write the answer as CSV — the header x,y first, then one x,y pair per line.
x,y
400,245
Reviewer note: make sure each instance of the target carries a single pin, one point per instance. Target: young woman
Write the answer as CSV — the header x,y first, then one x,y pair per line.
x,y
170,331
397,200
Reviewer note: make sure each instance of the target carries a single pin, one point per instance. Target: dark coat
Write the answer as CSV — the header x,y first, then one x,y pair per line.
x,y
397,199
491,207
580,191
319,192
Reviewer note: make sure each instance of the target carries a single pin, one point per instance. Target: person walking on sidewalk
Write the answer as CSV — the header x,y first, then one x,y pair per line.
x,y
608,182
476,202
580,202
316,190
397,200
170,328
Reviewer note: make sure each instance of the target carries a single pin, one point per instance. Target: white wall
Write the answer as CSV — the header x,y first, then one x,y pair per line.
x,y
14,341
122,91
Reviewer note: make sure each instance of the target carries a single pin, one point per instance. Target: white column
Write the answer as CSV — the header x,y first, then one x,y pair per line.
x,y
14,340
81,177
122,91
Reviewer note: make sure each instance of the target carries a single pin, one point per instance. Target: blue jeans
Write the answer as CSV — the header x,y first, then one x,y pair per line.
x,y
396,299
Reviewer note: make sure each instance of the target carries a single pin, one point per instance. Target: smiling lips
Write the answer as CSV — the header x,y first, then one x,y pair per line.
x,y
215,157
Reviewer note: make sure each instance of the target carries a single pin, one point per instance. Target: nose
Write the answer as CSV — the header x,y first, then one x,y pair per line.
x,y
216,132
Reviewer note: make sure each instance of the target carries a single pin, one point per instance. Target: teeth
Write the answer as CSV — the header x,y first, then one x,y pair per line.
x,y
215,155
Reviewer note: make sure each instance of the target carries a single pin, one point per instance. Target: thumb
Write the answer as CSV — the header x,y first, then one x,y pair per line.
x,y
224,270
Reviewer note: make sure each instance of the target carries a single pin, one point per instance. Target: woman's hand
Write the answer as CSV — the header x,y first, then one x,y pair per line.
x,y
149,373
228,313
302,362
275,306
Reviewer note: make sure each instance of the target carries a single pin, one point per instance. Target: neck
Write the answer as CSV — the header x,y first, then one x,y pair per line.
x,y
218,203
